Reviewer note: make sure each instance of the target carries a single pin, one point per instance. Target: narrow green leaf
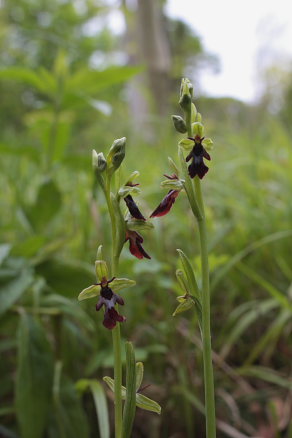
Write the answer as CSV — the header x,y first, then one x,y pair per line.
x,y
34,378
101,408
11,291
139,374
130,403
188,270
4,251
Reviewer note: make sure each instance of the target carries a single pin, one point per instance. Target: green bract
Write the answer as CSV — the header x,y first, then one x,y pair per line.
x,y
138,225
173,184
128,190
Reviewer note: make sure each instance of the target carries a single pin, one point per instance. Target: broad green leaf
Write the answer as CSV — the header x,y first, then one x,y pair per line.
x,y
25,75
139,374
34,378
4,251
101,408
70,419
46,206
11,291
66,278
86,81
100,404
130,403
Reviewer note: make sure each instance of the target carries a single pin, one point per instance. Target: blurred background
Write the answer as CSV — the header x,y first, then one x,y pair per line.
x,y
74,76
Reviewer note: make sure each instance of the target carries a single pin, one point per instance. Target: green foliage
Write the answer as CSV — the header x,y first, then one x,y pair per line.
x,y
53,220
34,380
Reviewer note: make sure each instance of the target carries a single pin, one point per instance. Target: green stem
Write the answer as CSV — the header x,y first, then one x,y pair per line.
x,y
206,323
116,333
205,298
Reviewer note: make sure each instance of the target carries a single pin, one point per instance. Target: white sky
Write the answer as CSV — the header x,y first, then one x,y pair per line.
x,y
244,34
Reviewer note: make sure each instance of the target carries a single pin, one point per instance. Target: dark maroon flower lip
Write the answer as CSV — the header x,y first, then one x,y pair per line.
x,y
197,166
136,248
108,299
133,208
166,204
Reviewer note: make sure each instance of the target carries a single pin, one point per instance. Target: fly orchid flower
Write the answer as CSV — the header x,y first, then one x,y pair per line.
x,y
175,184
197,166
135,246
133,208
107,294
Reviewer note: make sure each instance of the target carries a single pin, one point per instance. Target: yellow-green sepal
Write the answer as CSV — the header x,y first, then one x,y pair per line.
x,y
198,129
101,270
121,283
89,292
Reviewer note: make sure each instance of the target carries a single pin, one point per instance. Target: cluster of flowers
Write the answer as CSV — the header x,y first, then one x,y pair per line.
x,y
135,221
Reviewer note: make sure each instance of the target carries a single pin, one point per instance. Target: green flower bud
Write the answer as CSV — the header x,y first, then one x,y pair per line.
x,y
116,153
138,225
101,270
99,253
179,124
98,161
186,94
198,129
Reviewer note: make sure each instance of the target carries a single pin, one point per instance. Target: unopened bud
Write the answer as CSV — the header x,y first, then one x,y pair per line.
x,y
98,161
116,153
186,94
179,124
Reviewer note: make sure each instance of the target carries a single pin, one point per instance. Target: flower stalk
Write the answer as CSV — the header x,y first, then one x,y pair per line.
x,y
205,296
